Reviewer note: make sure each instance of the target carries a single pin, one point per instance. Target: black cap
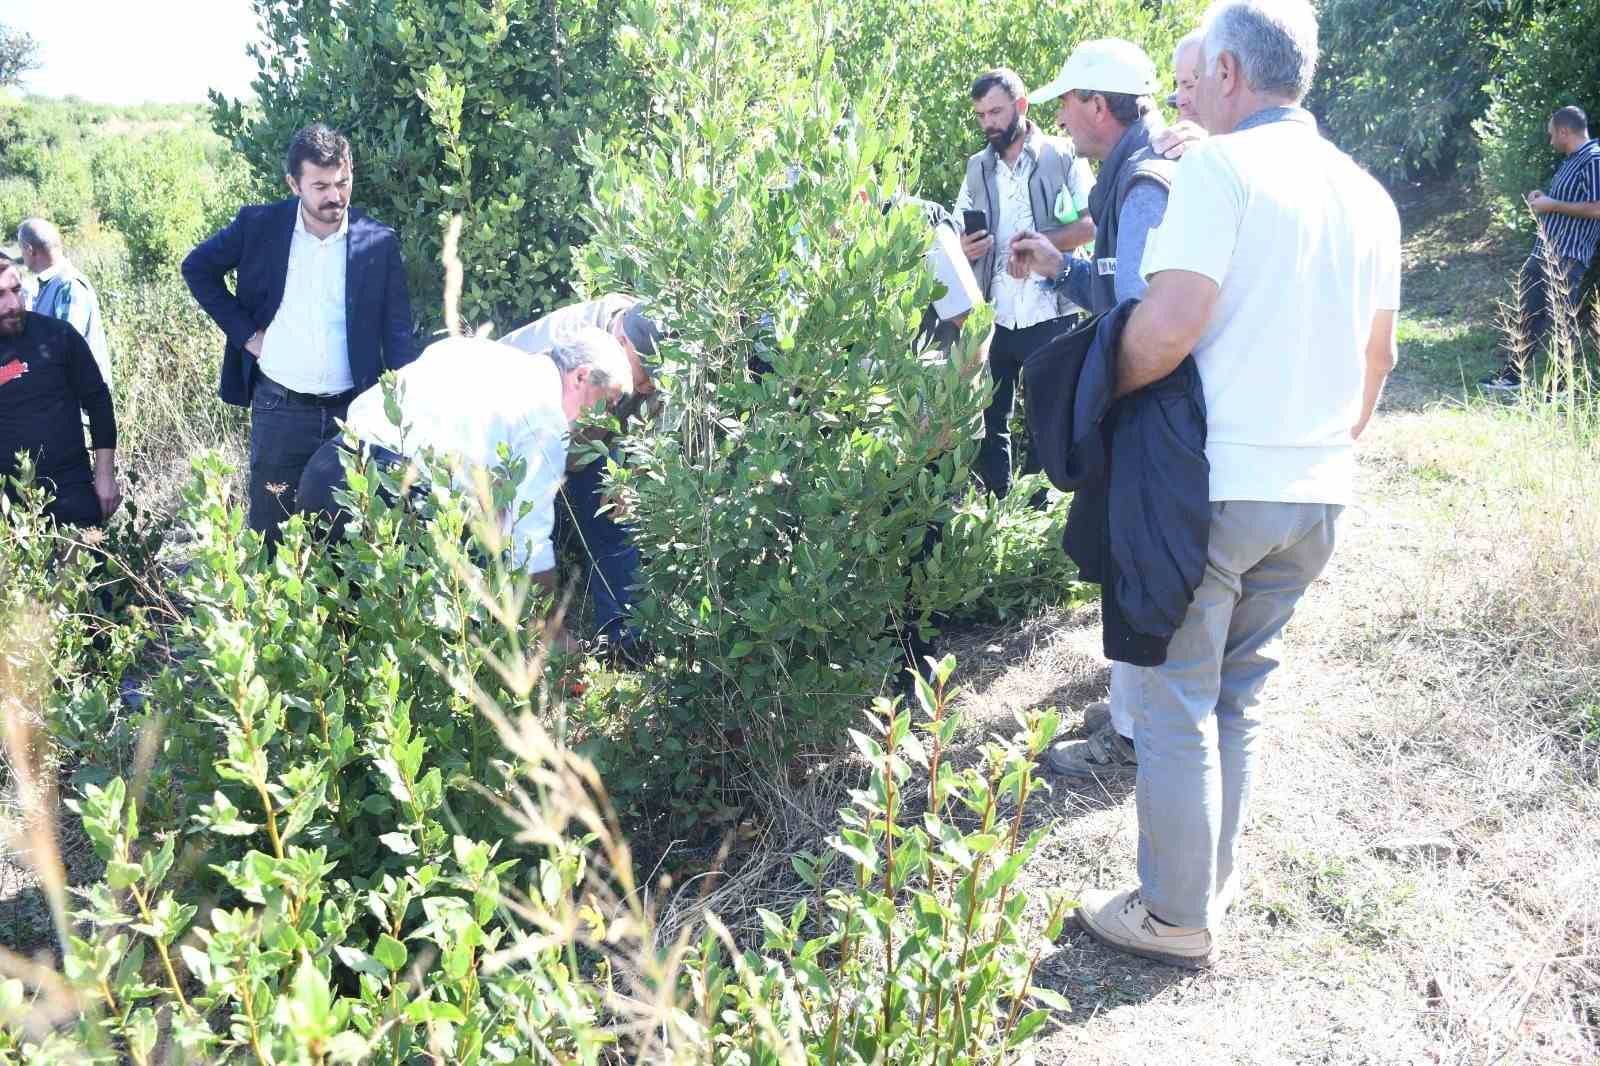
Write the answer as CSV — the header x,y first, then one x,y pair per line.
x,y
642,332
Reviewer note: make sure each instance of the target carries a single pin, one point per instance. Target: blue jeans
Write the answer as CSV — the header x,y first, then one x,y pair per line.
x,y
285,432
613,559
1193,723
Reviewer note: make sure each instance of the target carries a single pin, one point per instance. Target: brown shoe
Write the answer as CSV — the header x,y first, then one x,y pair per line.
x,y
1120,920
1106,756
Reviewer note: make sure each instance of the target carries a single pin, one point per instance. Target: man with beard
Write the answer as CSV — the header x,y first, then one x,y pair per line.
x,y
48,382
1106,92
318,311
1023,180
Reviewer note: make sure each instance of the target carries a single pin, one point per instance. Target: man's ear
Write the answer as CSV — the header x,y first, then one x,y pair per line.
x,y
294,186
1228,71
1022,107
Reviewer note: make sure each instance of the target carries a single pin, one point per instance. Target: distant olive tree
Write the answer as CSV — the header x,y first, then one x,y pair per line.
x,y
1401,81
19,54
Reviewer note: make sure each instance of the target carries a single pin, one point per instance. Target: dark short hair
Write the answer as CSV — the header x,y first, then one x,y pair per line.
x,y
1126,108
1002,78
318,143
1571,118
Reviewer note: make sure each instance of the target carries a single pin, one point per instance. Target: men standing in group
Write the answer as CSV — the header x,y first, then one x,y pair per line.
x,y
1107,106
318,311
613,557
48,382
1568,218
63,292
1278,267
1023,179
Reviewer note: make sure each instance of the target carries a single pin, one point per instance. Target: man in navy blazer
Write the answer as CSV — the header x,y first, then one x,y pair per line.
x,y
319,310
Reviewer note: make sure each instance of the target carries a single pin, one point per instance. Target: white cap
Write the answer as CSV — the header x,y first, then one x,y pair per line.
x,y
1110,65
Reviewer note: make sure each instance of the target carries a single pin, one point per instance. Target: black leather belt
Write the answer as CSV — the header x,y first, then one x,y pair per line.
x,y
312,399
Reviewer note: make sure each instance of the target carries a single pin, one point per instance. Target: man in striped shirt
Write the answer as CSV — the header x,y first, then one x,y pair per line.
x,y
1569,227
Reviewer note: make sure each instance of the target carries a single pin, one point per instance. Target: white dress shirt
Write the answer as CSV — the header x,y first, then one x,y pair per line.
x,y
305,349
462,399
1018,302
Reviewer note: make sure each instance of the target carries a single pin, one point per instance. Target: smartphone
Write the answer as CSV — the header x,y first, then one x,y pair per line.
x,y
974,222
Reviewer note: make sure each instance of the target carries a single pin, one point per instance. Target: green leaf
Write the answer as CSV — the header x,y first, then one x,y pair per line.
x,y
399,843
359,961
119,875
1054,1000
390,952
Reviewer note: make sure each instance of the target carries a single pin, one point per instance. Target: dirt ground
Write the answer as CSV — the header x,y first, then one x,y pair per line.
x,y
1343,949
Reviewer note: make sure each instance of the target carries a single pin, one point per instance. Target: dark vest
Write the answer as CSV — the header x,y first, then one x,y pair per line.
x,y
1132,160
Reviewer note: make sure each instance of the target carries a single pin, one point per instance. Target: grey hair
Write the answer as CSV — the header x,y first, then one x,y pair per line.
x,y
1195,38
599,351
1275,42
38,233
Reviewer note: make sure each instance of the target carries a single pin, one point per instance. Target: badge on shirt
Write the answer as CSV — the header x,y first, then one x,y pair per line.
x,y
1106,267
12,371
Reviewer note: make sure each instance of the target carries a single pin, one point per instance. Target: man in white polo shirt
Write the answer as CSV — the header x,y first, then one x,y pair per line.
x,y
1278,266
461,401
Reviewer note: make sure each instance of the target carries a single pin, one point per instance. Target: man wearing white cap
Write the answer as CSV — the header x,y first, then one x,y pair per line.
x,y
1106,89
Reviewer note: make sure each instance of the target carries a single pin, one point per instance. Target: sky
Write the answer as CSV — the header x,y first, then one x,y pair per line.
x,y
137,51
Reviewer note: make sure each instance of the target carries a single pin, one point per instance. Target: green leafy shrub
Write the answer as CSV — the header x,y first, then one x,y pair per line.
x,y
1000,559
46,168
370,877
1400,84
1548,64
781,514
74,612
160,192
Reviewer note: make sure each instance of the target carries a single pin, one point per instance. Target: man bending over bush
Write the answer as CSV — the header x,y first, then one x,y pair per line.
x,y
463,399
614,560
48,381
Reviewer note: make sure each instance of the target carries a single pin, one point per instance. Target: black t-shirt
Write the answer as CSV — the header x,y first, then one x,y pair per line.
x,y
47,376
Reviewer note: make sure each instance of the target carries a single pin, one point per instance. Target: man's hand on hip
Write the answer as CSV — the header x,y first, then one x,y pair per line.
x,y
1033,253
253,345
